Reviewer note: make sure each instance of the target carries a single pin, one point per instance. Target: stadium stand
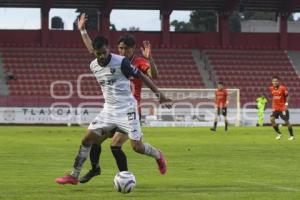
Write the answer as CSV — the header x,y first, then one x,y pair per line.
x,y
251,71
35,68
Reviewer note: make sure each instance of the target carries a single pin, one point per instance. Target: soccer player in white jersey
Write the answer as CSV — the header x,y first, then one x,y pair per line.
x,y
120,108
146,65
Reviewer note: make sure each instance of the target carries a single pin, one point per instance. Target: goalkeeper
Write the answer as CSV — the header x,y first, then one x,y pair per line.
x,y
261,107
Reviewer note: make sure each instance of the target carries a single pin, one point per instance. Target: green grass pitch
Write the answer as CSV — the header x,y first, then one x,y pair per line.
x,y
245,163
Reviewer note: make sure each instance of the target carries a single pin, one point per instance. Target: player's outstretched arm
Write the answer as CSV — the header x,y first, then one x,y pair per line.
x,y
130,71
146,51
84,35
148,82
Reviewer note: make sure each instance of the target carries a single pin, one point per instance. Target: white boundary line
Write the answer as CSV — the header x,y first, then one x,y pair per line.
x,y
270,186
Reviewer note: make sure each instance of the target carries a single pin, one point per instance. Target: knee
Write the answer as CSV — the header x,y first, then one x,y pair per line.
x,y
86,142
138,147
116,142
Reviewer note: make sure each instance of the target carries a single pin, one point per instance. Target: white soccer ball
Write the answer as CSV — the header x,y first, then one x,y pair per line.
x,y
124,182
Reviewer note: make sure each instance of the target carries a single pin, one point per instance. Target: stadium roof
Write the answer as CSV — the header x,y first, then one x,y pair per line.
x,y
215,5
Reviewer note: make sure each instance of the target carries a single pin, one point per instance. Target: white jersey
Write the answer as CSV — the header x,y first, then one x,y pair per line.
x,y
114,82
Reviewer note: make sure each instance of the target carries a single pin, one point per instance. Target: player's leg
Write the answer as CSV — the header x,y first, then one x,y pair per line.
x,y
149,150
260,117
95,157
273,117
95,163
131,126
286,116
218,112
224,112
95,153
290,128
116,148
90,138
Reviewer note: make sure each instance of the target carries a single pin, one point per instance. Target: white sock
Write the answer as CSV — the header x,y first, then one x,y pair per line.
x,y
82,155
151,151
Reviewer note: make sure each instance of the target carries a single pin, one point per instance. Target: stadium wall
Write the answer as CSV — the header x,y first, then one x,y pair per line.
x,y
293,41
20,36
177,40
84,115
255,39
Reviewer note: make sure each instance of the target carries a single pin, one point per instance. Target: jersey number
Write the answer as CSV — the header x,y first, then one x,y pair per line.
x,y
131,115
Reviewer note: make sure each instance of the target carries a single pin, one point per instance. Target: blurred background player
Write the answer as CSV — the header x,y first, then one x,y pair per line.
x,y
221,102
261,107
280,107
126,47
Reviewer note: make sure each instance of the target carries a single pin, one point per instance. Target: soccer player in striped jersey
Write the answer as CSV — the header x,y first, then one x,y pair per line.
x,y
280,107
221,102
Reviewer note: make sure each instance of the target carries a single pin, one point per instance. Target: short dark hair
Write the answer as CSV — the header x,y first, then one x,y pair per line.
x,y
220,83
275,77
99,42
127,39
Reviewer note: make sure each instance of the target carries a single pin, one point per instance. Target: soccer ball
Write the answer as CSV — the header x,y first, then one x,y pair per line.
x,y
124,182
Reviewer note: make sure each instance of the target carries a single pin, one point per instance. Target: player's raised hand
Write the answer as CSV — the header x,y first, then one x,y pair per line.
x,y
165,102
81,21
146,49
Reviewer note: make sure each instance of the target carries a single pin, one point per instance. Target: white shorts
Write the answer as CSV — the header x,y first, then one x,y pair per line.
x,y
125,122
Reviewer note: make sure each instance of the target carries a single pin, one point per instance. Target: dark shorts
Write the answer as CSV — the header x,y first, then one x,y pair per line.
x,y
284,115
222,110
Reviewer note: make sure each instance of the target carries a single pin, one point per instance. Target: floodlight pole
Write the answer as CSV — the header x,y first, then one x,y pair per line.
x,y
45,22
165,27
283,31
105,17
224,31
223,19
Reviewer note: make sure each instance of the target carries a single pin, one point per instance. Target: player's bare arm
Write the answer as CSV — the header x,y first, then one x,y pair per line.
x,y
84,35
287,101
146,51
227,100
162,99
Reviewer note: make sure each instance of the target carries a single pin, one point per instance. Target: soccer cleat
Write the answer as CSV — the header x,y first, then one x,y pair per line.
x,y
278,137
67,179
88,176
212,129
162,164
291,138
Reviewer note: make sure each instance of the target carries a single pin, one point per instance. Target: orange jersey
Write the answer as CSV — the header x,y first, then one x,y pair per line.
x,y
143,65
221,98
279,97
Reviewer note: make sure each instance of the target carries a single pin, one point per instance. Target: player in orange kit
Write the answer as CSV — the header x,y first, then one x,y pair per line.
x,y
280,107
221,102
